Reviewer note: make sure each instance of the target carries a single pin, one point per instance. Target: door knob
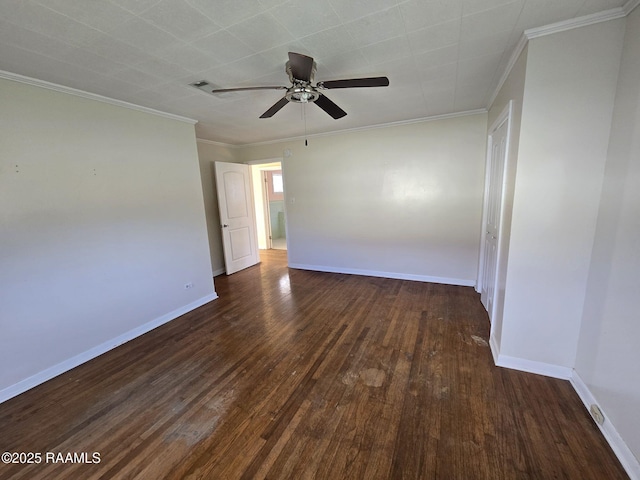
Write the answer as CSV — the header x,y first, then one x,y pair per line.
x,y
225,225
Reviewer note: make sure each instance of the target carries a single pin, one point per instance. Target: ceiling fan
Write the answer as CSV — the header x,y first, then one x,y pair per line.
x,y
301,70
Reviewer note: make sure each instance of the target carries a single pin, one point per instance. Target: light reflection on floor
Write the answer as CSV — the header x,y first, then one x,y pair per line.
x,y
273,316
284,284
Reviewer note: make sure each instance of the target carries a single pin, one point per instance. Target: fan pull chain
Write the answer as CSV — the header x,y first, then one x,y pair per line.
x,y
304,114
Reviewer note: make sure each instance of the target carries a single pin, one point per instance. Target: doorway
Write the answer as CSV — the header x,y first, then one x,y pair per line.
x,y
492,234
268,185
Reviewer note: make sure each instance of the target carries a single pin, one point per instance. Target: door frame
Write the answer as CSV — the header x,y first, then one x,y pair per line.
x,y
505,116
263,195
266,209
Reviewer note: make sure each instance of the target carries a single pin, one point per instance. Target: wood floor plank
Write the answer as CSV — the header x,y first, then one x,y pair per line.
x,y
300,374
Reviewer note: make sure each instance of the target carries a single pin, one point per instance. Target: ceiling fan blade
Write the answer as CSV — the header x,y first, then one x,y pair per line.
x,y
301,66
274,109
240,89
205,86
331,108
355,83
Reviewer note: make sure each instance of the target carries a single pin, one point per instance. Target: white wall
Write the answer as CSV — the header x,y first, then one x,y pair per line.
x,y
208,153
511,90
567,109
102,221
608,356
399,201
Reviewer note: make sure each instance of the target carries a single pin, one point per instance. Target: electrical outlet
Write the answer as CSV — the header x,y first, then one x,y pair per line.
x,y
187,286
596,413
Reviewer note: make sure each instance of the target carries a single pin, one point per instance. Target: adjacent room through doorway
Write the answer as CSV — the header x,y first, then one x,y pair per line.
x,y
268,188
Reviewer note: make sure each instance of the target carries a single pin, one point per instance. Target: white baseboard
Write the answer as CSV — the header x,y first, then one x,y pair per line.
x,y
619,447
625,455
219,271
539,368
51,372
495,349
399,276
611,435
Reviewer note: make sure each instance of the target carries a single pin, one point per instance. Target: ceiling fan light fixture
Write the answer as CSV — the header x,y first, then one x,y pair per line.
x,y
302,94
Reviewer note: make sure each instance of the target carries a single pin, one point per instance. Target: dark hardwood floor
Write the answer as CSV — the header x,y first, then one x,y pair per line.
x,y
293,374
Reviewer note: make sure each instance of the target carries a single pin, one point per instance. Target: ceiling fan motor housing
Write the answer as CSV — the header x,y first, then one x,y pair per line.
x,y
292,79
302,92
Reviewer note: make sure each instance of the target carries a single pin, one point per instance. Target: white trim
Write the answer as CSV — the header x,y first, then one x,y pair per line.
x,y
284,170
625,455
495,348
618,445
630,6
265,161
261,167
51,372
515,55
483,221
266,208
398,276
219,271
217,144
369,127
572,23
531,366
14,77
558,27
505,116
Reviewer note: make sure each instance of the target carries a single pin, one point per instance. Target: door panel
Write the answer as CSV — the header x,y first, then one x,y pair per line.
x,y
493,215
237,216
240,243
236,194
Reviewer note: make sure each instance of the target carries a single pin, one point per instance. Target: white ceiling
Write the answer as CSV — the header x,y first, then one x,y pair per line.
x,y
441,56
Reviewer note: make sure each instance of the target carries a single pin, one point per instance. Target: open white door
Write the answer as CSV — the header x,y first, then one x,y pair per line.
x,y
237,216
498,145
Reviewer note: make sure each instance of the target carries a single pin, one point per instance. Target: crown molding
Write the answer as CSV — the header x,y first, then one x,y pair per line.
x,y
515,54
217,144
558,27
14,77
264,161
578,22
368,127
630,6
529,34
